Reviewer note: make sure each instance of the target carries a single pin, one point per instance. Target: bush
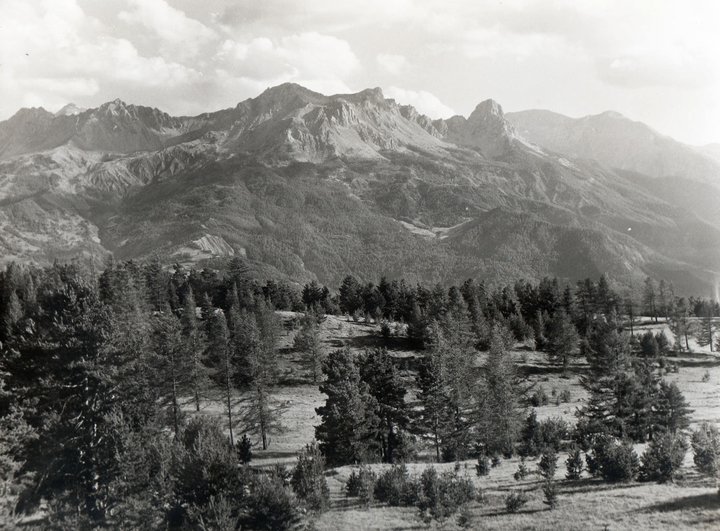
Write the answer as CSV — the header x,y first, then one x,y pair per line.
x,y
539,398
706,377
244,449
565,396
270,505
574,463
552,433
483,465
705,443
385,331
308,479
442,495
522,471
613,460
515,501
548,464
550,491
495,460
663,457
396,487
361,484
464,518
547,433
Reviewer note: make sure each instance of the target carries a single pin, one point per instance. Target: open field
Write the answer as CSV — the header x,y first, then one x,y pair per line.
x,y
689,503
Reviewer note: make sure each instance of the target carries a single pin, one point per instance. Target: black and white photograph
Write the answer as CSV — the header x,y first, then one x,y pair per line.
x,y
322,265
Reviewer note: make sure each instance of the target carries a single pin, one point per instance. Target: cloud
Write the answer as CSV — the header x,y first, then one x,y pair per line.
x,y
320,60
179,34
423,101
394,64
53,52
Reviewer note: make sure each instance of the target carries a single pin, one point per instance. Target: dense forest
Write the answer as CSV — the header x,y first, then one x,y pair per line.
x,y
101,374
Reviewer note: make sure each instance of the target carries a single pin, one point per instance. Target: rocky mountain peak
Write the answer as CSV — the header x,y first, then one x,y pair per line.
x,y
488,107
486,130
70,110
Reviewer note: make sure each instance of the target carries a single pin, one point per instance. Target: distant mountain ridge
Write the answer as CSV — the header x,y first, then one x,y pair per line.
x,y
618,142
312,186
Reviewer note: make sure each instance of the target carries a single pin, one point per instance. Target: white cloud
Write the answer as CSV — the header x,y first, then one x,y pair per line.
x,y
319,60
179,34
423,101
392,63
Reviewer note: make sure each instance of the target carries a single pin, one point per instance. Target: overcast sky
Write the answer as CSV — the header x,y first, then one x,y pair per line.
x,y
657,61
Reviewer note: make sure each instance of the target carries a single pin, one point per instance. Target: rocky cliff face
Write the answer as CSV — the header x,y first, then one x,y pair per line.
x,y
312,186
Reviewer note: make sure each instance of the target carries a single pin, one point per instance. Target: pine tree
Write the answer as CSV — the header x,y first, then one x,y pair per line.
x,y
261,415
195,343
156,281
607,352
498,409
451,347
12,313
562,338
380,375
350,296
245,346
706,326
348,431
672,410
680,324
307,341
173,369
650,299
221,354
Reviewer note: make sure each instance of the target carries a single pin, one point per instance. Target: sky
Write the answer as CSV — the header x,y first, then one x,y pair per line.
x,y
655,61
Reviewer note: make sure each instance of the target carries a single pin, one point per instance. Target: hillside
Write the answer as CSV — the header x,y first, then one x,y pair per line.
x,y
307,186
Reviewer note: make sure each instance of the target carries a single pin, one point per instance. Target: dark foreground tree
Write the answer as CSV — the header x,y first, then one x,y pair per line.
x,y
348,432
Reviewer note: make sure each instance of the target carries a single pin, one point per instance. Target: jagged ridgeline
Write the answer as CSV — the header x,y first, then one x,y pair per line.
x,y
306,186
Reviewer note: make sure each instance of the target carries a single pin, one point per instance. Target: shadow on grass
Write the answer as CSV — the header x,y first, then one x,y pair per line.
x,y
710,501
582,486
506,513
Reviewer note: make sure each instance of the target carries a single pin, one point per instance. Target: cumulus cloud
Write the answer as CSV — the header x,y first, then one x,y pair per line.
x,y
423,101
320,61
178,34
392,63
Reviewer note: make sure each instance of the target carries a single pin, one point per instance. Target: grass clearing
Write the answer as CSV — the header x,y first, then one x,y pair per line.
x,y
691,502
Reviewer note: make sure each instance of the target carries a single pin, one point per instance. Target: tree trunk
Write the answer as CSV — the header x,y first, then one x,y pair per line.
x,y
176,426
227,392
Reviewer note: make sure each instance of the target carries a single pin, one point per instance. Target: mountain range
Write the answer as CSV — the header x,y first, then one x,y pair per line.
x,y
307,186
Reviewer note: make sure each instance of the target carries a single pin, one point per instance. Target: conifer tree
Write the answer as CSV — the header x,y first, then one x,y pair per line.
x,y
498,410
607,352
650,299
173,368
195,343
433,394
307,341
562,338
220,352
385,386
706,326
348,432
680,324
672,411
